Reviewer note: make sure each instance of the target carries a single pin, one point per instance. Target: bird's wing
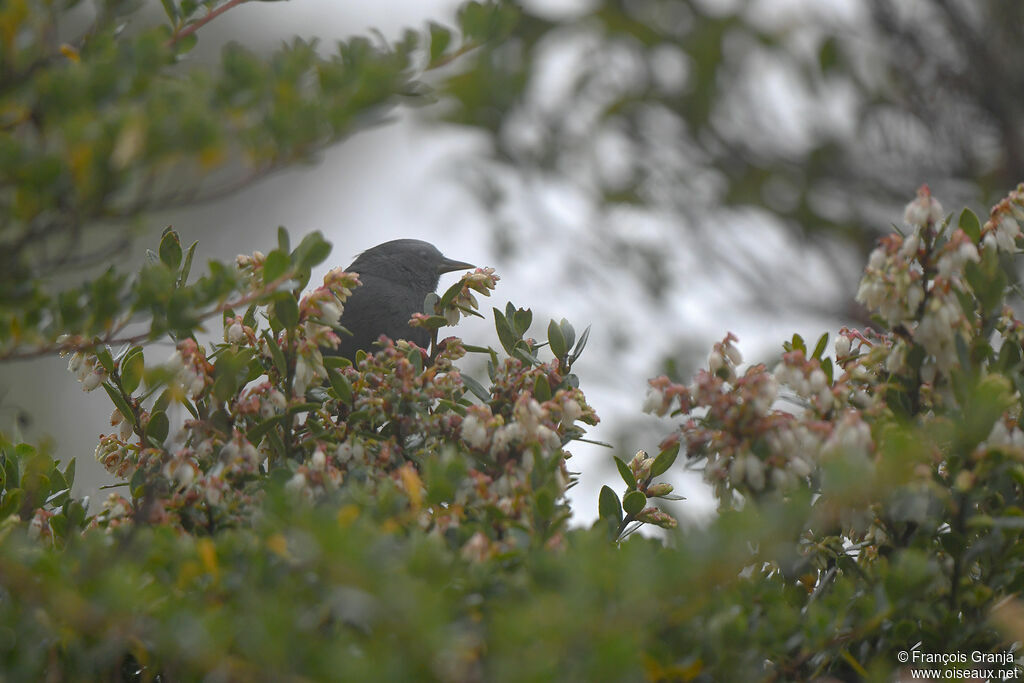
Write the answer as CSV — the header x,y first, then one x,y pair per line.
x,y
377,307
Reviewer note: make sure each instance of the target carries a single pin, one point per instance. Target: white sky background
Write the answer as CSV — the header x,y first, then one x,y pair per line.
x,y
401,180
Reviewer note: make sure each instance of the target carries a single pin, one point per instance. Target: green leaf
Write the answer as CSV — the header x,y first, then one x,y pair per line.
x,y
1009,355
275,352
634,502
541,389
568,333
829,55
256,433
158,427
58,497
181,316
186,267
440,39
170,249
286,308
987,402
970,224
105,359
545,501
556,339
275,265
664,460
336,362
580,345
137,483
75,513
340,386
133,365
12,473
819,348
170,9
249,319
505,334
797,344
625,472
190,408
69,472
230,372
608,506
522,354
416,358
434,322
303,408
186,43
283,243
119,402
521,320
478,389
449,295
312,251
11,502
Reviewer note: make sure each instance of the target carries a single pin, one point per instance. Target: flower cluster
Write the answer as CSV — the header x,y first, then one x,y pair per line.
x,y
237,332
892,286
1003,227
933,290
482,281
87,369
736,425
192,371
321,309
918,282
252,268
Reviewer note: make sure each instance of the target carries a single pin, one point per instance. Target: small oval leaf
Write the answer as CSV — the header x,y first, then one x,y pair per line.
x,y
170,249
287,311
664,460
158,427
625,473
608,506
634,502
478,389
557,340
132,367
340,386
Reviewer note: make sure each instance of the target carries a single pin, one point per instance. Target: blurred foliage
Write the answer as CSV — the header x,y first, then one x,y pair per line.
x,y
102,125
697,116
282,514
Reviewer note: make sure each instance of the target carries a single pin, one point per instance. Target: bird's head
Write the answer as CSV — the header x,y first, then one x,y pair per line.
x,y
408,262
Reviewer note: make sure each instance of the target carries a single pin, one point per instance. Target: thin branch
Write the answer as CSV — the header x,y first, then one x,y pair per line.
x,y
195,26
111,338
444,60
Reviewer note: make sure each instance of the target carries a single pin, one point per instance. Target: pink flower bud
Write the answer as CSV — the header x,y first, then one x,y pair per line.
x,y
658,490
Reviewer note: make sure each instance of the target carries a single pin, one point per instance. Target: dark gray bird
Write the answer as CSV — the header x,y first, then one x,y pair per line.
x,y
396,278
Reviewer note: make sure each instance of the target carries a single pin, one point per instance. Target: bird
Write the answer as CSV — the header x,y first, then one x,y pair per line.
x,y
396,278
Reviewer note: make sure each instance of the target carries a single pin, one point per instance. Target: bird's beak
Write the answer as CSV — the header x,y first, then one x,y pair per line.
x,y
448,266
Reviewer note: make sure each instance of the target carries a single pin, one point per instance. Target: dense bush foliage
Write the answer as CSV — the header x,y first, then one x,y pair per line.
x,y
285,513
394,517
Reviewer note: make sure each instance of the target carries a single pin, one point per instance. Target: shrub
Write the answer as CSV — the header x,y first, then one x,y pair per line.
x,y
286,513
395,518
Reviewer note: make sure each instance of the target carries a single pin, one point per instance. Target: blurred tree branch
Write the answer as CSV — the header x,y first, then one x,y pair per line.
x,y
818,124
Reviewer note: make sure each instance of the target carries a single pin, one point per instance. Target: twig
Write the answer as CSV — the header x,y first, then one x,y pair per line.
x,y
111,339
444,60
195,26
